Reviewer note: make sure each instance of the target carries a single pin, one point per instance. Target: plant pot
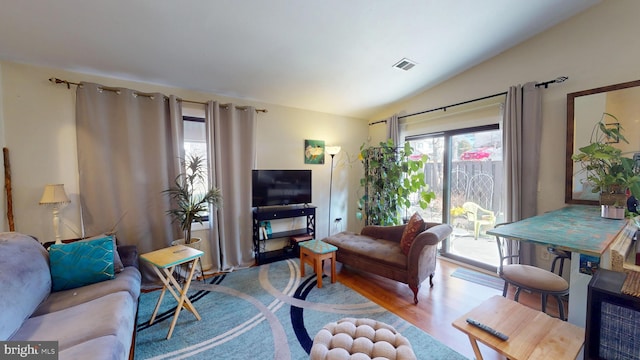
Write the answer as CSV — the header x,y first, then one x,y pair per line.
x,y
612,212
195,243
613,199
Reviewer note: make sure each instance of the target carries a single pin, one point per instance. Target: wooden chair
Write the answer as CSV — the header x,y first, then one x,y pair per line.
x,y
529,278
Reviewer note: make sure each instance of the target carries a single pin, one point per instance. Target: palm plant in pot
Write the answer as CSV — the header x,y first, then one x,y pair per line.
x,y
191,195
609,172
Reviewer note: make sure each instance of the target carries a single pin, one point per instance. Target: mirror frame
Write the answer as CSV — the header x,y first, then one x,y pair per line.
x,y
568,189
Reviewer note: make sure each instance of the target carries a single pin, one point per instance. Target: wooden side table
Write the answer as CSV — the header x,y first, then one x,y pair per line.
x,y
532,333
164,261
315,252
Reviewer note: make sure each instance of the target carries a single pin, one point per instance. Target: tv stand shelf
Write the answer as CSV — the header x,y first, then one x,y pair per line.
x,y
277,213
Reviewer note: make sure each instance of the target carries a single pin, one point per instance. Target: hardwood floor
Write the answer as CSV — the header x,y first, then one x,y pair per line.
x,y
437,307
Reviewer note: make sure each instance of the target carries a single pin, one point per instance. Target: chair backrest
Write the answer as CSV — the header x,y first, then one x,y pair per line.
x,y
508,250
480,190
459,182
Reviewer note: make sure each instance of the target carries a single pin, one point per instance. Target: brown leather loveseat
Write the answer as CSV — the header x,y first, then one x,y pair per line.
x,y
377,249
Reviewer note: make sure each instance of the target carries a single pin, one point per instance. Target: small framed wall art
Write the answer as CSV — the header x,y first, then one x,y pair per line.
x,y
314,151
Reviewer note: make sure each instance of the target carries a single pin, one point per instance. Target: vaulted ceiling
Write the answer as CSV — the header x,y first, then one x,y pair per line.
x,y
331,56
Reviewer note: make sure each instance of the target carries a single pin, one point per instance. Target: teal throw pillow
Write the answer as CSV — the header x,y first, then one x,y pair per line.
x,y
117,262
81,263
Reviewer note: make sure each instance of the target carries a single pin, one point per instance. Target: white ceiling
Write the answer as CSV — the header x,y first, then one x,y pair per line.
x,y
332,56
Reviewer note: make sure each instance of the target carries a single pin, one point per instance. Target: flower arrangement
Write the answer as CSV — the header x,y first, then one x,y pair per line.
x,y
457,211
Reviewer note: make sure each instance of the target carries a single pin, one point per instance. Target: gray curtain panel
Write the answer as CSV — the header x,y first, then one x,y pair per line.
x,y
231,130
522,131
128,153
393,130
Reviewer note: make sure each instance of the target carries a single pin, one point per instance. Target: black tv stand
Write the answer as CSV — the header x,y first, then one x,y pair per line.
x,y
276,213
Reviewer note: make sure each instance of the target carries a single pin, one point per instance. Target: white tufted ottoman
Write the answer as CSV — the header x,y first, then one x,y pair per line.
x,y
360,339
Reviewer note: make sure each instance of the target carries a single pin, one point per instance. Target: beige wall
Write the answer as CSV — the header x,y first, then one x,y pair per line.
x,y
596,48
38,119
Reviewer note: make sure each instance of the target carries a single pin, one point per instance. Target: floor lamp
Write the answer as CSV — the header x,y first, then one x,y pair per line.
x,y
55,195
331,150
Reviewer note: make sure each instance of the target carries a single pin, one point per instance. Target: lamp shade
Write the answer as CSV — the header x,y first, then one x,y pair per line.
x,y
332,150
54,194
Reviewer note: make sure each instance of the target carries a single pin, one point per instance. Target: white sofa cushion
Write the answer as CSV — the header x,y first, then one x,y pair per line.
x,y
109,315
127,280
25,279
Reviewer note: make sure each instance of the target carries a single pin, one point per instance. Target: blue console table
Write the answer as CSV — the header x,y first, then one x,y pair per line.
x,y
576,228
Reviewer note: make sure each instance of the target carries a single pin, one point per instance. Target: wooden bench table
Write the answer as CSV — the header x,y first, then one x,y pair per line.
x,y
532,333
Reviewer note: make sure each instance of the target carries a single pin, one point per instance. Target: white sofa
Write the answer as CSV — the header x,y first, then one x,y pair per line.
x,y
95,321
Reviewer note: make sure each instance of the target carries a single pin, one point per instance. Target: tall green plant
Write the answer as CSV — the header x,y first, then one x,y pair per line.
x,y
391,176
191,195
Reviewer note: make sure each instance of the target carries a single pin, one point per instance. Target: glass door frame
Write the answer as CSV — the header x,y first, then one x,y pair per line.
x,y
446,186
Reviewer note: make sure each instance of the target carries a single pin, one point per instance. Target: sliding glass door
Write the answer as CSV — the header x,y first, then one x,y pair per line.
x,y
465,172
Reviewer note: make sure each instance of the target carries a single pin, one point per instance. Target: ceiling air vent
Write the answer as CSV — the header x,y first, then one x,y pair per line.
x,y
404,64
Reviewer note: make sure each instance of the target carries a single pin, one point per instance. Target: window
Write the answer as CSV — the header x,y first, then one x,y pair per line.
x,y
195,143
194,136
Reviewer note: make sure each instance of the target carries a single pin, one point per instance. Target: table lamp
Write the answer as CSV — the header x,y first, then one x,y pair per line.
x,y
55,196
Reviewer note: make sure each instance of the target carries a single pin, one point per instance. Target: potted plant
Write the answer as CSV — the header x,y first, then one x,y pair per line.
x,y
392,174
191,195
609,172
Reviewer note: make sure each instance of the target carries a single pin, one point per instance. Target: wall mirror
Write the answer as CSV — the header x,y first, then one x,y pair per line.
x,y
584,110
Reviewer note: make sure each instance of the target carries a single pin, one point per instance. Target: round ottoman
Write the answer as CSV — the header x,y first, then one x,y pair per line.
x,y
360,339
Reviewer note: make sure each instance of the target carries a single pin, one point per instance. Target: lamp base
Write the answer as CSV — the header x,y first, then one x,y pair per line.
x,y
56,224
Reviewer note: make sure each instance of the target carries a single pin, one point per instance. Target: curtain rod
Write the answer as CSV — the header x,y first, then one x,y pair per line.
x,y
444,108
69,83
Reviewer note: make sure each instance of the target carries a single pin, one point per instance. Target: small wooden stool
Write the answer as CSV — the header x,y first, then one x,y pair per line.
x,y
314,252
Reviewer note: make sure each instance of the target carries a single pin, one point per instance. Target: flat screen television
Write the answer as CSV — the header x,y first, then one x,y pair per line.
x,y
280,187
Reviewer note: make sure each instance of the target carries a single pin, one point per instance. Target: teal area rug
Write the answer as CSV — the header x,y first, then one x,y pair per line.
x,y
265,312
477,277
